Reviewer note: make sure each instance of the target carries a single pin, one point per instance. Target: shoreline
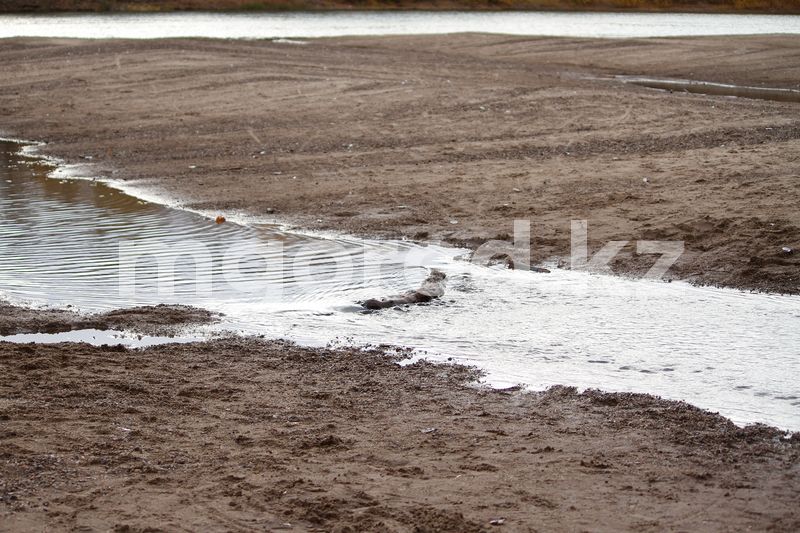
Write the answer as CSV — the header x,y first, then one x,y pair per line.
x,y
173,320
176,321
170,320
82,171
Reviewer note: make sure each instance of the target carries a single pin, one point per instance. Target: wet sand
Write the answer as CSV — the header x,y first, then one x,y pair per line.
x,y
399,137
256,435
160,320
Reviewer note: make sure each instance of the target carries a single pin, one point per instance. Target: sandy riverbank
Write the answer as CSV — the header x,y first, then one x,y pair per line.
x,y
445,138
388,137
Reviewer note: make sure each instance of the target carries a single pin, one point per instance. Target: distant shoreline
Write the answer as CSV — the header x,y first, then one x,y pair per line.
x,y
770,7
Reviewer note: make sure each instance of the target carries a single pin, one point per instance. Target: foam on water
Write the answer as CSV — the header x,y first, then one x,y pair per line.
x,y
725,350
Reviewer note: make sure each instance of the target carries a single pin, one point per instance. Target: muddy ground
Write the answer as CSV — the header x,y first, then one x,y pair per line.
x,y
240,435
161,320
442,137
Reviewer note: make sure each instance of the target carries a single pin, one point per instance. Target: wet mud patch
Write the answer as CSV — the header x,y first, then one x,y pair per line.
x,y
161,320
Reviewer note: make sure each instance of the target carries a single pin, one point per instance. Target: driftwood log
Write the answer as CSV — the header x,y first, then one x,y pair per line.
x,y
431,288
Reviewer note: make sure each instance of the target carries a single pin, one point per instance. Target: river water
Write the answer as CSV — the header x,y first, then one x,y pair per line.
x,y
73,241
332,24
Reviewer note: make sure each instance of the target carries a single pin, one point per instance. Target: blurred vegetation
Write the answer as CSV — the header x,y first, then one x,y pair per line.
x,y
713,6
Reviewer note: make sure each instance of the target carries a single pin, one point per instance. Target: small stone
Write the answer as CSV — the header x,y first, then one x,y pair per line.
x,y
497,521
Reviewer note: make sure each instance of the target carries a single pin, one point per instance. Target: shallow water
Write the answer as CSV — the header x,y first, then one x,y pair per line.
x,y
331,24
717,89
724,350
83,230
98,338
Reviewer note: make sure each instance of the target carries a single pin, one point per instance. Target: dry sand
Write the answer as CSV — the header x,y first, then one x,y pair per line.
x,y
397,137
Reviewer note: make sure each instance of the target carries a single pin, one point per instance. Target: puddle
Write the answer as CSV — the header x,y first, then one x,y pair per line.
x,y
716,89
724,350
97,337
